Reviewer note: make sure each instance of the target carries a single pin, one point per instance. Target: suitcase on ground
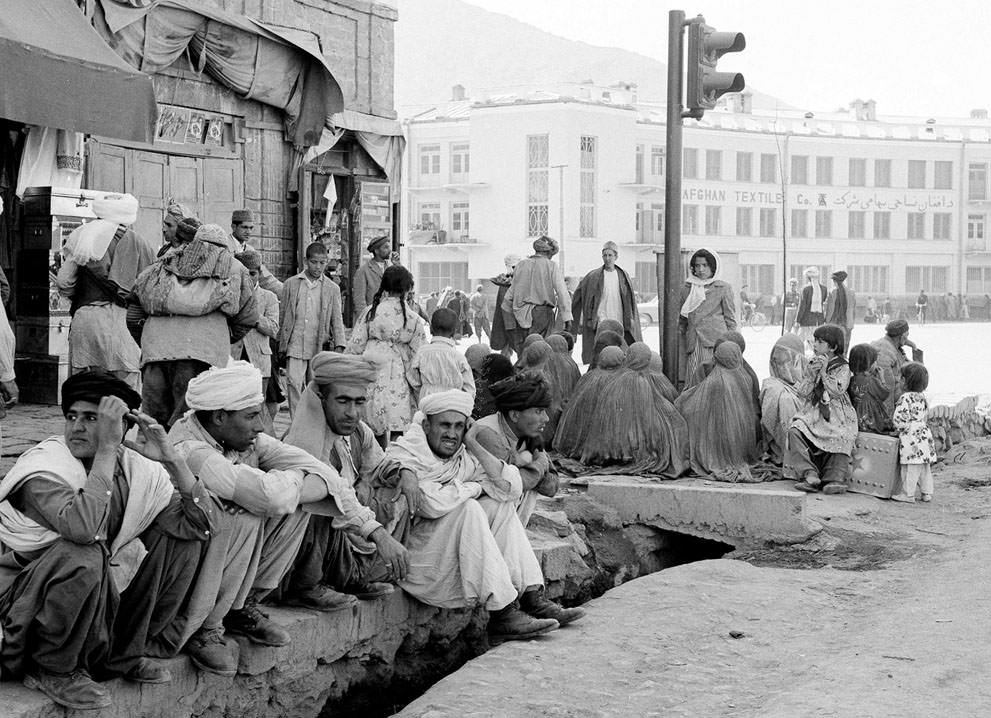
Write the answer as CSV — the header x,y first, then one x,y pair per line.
x,y
874,465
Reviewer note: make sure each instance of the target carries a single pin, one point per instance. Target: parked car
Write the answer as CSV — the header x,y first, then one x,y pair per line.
x,y
648,312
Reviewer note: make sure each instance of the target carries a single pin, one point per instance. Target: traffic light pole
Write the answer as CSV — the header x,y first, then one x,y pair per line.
x,y
670,306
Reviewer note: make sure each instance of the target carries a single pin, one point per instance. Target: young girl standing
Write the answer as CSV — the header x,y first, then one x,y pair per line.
x,y
916,445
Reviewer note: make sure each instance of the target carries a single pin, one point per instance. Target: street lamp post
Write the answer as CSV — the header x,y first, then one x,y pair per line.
x,y
560,212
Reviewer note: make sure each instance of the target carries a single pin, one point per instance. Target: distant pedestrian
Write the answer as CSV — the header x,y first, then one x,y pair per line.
x,y
605,293
504,337
791,300
458,303
811,309
917,448
841,305
922,305
478,305
368,278
256,346
538,288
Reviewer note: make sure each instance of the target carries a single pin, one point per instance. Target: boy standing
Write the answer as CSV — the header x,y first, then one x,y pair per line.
x,y
439,366
255,346
310,321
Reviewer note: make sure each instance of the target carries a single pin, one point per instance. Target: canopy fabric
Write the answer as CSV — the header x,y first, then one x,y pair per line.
x,y
276,66
59,72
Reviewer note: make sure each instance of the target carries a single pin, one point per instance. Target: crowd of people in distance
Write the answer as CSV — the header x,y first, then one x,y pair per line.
x,y
167,514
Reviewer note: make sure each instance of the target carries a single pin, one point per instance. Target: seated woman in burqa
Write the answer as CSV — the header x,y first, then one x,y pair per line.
x,y
657,371
779,398
641,431
722,421
536,360
583,416
565,369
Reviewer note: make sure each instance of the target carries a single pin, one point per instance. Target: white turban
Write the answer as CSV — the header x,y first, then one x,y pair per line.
x,y
450,400
91,240
237,386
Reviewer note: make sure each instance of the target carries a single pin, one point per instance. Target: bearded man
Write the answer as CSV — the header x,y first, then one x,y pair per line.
x,y
467,546
101,548
328,425
262,484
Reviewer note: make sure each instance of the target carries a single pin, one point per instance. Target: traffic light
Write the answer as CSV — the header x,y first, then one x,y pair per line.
x,y
705,47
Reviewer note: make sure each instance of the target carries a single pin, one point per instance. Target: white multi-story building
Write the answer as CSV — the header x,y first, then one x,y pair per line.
x,y
901,204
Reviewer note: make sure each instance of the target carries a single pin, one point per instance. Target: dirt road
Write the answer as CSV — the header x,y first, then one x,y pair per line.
x,y
885,613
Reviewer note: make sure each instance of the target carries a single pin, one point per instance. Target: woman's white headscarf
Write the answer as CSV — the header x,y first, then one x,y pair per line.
x,y
696,294
812,273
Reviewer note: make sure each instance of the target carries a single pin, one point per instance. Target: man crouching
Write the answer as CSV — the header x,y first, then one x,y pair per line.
x,y
466,545
102,549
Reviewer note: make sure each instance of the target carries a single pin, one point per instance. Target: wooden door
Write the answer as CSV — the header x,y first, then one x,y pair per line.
x,y
186,183
223,190
106,167
149,183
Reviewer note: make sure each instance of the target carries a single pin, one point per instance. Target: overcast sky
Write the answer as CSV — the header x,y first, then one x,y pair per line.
x,y
914,58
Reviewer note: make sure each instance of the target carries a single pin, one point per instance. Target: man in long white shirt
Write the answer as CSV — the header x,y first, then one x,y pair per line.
x,y
605,293
467,546
262,484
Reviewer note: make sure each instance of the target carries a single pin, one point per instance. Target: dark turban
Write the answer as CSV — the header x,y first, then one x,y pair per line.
x,y
521,392
496,367
545,244
896,327
840,276
93,385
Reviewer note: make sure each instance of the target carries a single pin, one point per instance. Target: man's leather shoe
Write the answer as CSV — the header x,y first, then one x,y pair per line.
x,y
321,598
72,690
209,652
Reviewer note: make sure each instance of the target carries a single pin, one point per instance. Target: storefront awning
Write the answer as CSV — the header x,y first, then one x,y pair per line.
x,y
58,72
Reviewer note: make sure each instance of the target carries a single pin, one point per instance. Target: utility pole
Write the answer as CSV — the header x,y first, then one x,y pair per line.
x,y
670,308
705,86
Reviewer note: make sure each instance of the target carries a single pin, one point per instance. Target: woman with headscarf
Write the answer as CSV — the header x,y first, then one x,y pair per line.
x,y
811,309
707,310
603,339
388,334
722,425
494,368
779,399
564,367
536,361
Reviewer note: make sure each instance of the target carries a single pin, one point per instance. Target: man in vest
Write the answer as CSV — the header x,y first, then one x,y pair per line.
x,y
328,425
368,278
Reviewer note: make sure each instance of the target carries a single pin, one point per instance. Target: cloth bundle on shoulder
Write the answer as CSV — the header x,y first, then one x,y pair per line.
x,y
641,432
89,242
722,422
583,415
193,280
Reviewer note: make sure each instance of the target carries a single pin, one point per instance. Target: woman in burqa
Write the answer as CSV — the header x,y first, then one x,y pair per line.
x,y
722,421
581,416
779,399
641,430
563,366
536,359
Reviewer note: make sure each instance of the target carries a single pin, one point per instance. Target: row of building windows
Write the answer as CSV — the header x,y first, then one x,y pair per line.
x,y
918,223
822,171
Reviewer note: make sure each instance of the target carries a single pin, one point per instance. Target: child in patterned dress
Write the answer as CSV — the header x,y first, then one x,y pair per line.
x,y
917,450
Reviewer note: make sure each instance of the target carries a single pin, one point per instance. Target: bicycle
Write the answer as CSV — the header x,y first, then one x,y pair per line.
x,y
755,320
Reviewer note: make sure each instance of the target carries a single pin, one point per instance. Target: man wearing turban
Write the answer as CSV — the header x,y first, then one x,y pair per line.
x,y
186,310
538,287
328,425
605,293
467,546
263,485
100,547
891,357
514,435
102,260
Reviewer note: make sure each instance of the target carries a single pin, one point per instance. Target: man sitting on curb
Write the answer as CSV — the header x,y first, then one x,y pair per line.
x,y
328,425
262,484
101,548
465,548
513,435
